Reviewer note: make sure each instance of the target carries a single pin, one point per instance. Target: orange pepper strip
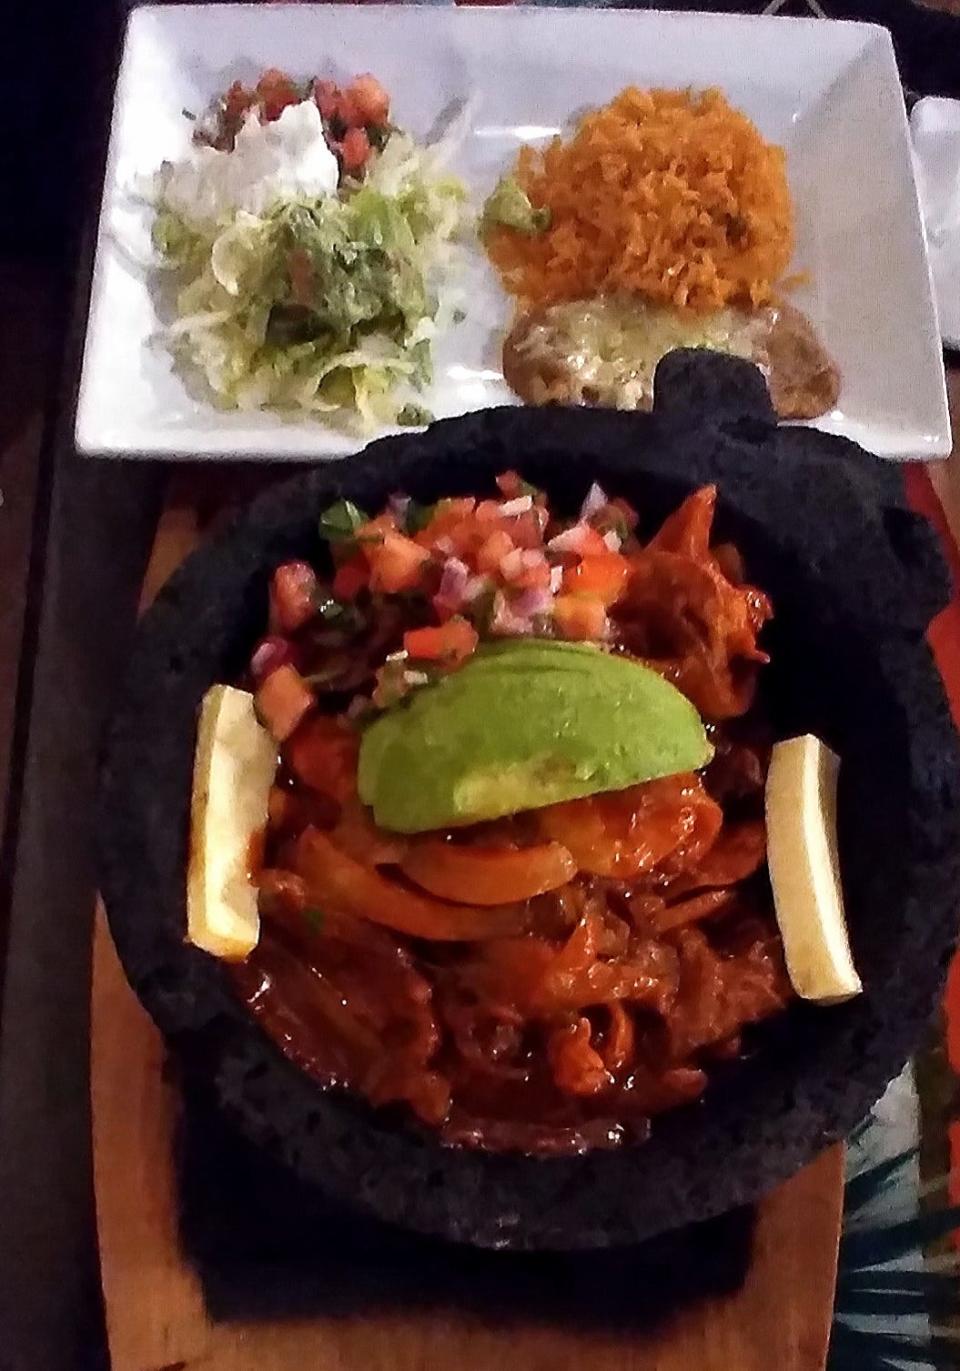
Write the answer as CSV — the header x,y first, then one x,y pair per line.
x,y
487,875
346,886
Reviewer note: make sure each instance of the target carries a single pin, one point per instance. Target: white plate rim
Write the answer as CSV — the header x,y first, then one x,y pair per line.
x,y
270,445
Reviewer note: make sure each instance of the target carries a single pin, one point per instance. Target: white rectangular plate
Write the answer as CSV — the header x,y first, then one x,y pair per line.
x,y
936,142
827,91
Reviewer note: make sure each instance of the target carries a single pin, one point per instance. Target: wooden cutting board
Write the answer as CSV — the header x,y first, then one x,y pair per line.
x,y
155,1313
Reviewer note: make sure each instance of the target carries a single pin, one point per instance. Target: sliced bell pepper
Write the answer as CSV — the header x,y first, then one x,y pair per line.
x,y
487,875
339,882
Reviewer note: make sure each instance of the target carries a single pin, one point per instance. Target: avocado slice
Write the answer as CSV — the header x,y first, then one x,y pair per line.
x,y
524,724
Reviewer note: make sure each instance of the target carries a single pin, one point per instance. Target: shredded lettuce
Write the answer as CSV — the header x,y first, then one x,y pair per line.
x,y
326,305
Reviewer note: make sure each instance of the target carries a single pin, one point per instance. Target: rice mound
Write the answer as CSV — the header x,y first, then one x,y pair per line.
x,y
670,194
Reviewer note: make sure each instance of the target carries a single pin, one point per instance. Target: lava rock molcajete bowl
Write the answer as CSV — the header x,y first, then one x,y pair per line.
x,y
854,577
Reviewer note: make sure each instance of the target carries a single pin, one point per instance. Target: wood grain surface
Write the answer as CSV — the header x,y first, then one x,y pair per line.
x,y
155,1313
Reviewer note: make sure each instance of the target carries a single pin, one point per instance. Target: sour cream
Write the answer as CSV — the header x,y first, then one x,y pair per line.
x,y
281,160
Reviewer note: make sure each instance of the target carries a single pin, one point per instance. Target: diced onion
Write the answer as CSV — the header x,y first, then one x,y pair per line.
x,y
572,539
532,602
520,505
475,587
511,565
453,581
594,501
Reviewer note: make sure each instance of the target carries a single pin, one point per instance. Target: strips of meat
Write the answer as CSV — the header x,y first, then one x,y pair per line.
x,y
551,981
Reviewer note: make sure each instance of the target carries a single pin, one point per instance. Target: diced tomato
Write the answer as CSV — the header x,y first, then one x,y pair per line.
x,y
351,577
467,537
526,529
488,512
581,618
347,111
453,539
370,536
452,643
448,515
355,149
237,101
603,576
326,95
369,99
534,573
396,564
370,533
511,484
492,551
322,754
293,595
282,700
276,91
